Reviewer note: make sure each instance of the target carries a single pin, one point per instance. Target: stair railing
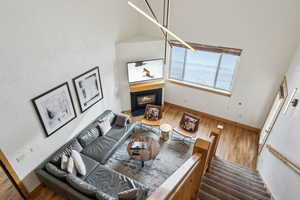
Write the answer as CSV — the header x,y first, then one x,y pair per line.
x,y
185,182
284,159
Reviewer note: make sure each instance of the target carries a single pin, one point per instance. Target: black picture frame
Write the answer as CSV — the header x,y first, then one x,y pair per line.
x,y
40,115
82,109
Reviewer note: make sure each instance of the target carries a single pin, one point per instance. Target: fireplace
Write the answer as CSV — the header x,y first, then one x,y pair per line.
x,y
140,99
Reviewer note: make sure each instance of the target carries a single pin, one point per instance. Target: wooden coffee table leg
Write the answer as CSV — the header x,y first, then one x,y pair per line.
x,y
142,164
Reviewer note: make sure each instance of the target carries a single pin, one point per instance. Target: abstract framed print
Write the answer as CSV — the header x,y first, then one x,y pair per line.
x,y
55,108
88,88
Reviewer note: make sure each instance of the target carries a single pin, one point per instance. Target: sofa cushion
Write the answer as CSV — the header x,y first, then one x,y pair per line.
x,y
108,114
55,171
117,132
88,135
90,165
66,149
103,196
81,185
112,182
98,149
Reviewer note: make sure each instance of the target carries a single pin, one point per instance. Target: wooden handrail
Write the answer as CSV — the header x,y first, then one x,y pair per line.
x,y
284,159
166,190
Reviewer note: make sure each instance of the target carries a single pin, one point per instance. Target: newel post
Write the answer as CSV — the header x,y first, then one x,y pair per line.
x,y
217,133
202,147
215,139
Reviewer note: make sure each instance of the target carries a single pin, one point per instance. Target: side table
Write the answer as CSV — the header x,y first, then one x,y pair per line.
x,y
165,131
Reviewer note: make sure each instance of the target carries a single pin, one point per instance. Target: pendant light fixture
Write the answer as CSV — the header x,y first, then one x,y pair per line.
x,y
159,25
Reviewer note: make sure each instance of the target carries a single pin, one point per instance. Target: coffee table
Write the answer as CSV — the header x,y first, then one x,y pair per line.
x,y
149,153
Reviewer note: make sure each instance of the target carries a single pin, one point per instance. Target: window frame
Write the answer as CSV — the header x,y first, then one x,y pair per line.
x,y
207,48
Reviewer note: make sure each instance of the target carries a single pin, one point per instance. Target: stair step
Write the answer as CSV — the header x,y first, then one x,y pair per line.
x,y
244,183
227,180
234,190
218,193
238,174
206,196
234,165
252,174
236,177
251,189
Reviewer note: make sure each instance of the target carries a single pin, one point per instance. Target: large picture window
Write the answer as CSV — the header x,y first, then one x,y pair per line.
x,y
208,66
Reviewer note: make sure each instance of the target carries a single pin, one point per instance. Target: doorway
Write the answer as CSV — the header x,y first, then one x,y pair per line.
x,y
278,103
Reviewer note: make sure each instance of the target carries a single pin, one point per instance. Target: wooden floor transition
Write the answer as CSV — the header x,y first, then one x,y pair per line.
x,y
237,143
7,189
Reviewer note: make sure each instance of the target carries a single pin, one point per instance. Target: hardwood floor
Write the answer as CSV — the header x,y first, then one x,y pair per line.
x,y
237,144
7,189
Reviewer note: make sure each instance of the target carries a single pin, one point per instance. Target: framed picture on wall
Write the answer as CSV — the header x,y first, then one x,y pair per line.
x,y
55,108
88,88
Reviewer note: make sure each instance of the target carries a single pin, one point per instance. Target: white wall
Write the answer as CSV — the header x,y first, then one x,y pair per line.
x,y
267,31
43,44
283,182
140,48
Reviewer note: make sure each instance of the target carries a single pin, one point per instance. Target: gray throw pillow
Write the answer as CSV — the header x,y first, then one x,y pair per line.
x,y
103,196
121,120
128,194
88,136
81,185
110,117
52,169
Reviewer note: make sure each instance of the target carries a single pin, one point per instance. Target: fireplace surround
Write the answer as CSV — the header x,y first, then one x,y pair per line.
x,y
140,99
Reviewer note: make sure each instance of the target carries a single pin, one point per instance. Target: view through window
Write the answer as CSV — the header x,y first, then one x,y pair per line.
x,y
208,66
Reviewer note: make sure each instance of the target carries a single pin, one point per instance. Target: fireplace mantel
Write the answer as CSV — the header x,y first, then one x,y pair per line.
x,y
138,87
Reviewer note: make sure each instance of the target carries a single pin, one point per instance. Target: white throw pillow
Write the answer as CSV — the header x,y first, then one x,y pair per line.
x,y
104,126
71,168
78,162
64,162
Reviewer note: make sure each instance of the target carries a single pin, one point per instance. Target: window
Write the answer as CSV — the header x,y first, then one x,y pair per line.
x,y
210,67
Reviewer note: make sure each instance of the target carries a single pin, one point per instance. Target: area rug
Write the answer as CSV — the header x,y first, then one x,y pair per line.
x,y
171,156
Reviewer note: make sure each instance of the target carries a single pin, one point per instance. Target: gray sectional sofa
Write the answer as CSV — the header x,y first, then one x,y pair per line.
x,y
100,182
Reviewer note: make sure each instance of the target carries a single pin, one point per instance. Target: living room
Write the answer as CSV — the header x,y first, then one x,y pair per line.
x,y
46,44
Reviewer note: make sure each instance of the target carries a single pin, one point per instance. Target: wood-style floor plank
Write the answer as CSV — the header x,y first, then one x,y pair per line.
x,y
7,189
236,144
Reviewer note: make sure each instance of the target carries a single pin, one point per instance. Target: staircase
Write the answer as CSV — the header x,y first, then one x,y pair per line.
x,y
230,181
